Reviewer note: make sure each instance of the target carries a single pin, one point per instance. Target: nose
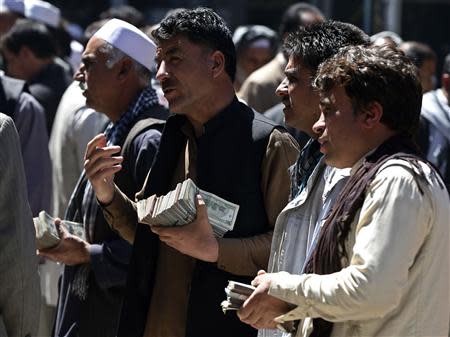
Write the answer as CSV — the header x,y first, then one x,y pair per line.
x,y
162,73
79,74
282,89
319,126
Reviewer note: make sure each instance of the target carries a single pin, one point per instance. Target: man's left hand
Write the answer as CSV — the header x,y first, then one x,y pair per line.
x,y
71,250
260,309
195,239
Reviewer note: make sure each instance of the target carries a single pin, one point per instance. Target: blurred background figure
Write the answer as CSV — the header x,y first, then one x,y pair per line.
x,y
425,59
386,38
126,13
255,46
19,282
434,135
258,90
29,54
43,12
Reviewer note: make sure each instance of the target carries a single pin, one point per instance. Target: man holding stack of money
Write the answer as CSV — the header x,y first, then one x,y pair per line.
x,y
178,274
115,78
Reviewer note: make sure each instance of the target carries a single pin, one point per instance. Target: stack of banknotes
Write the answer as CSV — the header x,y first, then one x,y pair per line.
x,y
177,208
236,293
47,235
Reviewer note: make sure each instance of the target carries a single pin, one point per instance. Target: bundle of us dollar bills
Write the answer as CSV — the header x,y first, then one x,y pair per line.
x,y
177,208
236,293
47,235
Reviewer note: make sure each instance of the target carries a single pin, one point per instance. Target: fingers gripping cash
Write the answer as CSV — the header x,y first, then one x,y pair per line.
x,y
178,208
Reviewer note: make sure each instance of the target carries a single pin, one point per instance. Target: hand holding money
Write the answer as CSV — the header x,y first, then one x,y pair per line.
x,y
61,241
71,250
177,208
195,239
260,310
237,293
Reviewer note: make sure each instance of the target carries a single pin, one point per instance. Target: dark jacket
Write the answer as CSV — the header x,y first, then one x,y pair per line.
x,y
98,314
229,159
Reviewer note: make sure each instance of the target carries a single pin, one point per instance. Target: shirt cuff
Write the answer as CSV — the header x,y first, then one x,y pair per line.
x,y
286,287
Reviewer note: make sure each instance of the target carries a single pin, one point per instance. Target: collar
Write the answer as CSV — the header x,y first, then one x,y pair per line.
x,y
212,126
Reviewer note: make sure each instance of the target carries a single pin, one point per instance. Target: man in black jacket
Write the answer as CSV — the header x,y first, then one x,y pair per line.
x,y
178,274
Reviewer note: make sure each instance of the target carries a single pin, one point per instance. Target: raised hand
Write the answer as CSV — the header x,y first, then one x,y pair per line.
x,y
101,166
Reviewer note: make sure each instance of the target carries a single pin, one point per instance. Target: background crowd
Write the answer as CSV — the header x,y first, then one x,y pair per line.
x,y
85,118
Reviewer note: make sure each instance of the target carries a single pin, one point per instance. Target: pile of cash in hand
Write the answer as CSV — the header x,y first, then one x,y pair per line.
x,y
177,208
236,293
47,235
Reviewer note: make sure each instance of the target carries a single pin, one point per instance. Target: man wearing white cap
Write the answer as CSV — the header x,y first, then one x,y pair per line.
x,y
115,77
41,11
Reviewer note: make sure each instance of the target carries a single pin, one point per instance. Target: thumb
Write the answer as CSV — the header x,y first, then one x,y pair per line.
x,y
62,231
261,272
200,206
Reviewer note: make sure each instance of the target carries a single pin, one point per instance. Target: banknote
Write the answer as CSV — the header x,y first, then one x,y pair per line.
x,y
237,293
177,208
47,235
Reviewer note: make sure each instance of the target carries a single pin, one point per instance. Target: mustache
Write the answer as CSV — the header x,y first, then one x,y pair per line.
x,y
286,101
167,84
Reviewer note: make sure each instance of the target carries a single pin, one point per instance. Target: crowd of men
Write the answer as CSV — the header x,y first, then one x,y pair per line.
x,y
334,144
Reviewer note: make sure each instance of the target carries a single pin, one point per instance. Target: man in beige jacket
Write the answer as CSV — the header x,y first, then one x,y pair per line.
x,y
380,266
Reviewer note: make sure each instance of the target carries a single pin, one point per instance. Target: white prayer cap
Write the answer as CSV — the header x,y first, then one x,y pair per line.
x,y
15,6
42,11
130,40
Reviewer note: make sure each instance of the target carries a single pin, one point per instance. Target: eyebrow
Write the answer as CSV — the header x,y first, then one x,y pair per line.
x,y
171,50
88,58
291,72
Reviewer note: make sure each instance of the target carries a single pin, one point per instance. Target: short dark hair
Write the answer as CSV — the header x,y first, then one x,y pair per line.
x,y
418,52
376,74
201,26
31,34
292,17
126,13
446,66
314,44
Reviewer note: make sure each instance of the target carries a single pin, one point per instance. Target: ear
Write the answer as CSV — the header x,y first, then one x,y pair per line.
x,y
371,115
125,67
217,63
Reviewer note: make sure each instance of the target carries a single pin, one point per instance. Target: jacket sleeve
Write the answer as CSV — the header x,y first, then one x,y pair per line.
x,y
109,261
245,256
19,290
393,224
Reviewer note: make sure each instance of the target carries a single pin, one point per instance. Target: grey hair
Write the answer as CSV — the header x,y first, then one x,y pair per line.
x,y
115,55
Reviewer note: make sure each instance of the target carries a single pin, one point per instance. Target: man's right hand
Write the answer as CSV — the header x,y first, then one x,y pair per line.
x,y
101,166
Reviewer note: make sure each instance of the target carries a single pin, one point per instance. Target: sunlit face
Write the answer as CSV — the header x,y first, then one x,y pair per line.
x,y
96,79
184,73
341,134
301,101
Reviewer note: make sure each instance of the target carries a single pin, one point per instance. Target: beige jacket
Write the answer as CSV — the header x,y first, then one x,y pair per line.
x,y
396,282
258,90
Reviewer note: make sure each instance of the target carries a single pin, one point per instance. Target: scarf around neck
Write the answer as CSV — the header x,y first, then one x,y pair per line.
x,y
116,134
330,248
